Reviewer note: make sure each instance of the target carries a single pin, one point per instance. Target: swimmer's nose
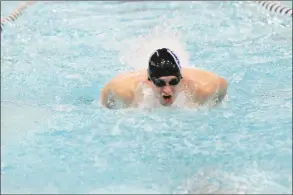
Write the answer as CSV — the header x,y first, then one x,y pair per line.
x,y
167,90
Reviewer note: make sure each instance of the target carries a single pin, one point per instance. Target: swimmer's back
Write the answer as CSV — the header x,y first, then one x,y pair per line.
x,y
197,74
127,80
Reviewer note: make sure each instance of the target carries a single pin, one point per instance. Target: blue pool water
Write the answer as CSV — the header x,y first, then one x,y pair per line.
x,y
55,137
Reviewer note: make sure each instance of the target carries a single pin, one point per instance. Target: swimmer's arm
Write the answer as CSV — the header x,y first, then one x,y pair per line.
x,y
215,93
104,96
119,94
221,91
125,95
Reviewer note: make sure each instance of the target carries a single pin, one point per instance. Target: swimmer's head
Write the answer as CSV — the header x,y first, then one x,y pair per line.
x,y
164,72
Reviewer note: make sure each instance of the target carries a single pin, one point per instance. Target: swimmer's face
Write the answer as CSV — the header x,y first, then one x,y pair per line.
x,y
165,89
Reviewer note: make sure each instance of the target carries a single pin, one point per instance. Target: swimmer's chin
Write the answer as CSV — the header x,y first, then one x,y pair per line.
x,y
166,105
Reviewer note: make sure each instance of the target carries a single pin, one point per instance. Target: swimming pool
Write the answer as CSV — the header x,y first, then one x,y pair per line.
x,y
55,138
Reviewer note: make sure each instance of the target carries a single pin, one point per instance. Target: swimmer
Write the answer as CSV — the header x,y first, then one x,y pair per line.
x,y
166,79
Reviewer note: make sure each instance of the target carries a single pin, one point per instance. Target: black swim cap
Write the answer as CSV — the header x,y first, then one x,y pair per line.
x,y
163,62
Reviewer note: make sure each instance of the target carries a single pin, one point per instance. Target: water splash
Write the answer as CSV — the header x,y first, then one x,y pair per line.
x,y
136,52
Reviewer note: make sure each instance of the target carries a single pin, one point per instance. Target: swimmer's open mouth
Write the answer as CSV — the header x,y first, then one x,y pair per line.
x,y
167,97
